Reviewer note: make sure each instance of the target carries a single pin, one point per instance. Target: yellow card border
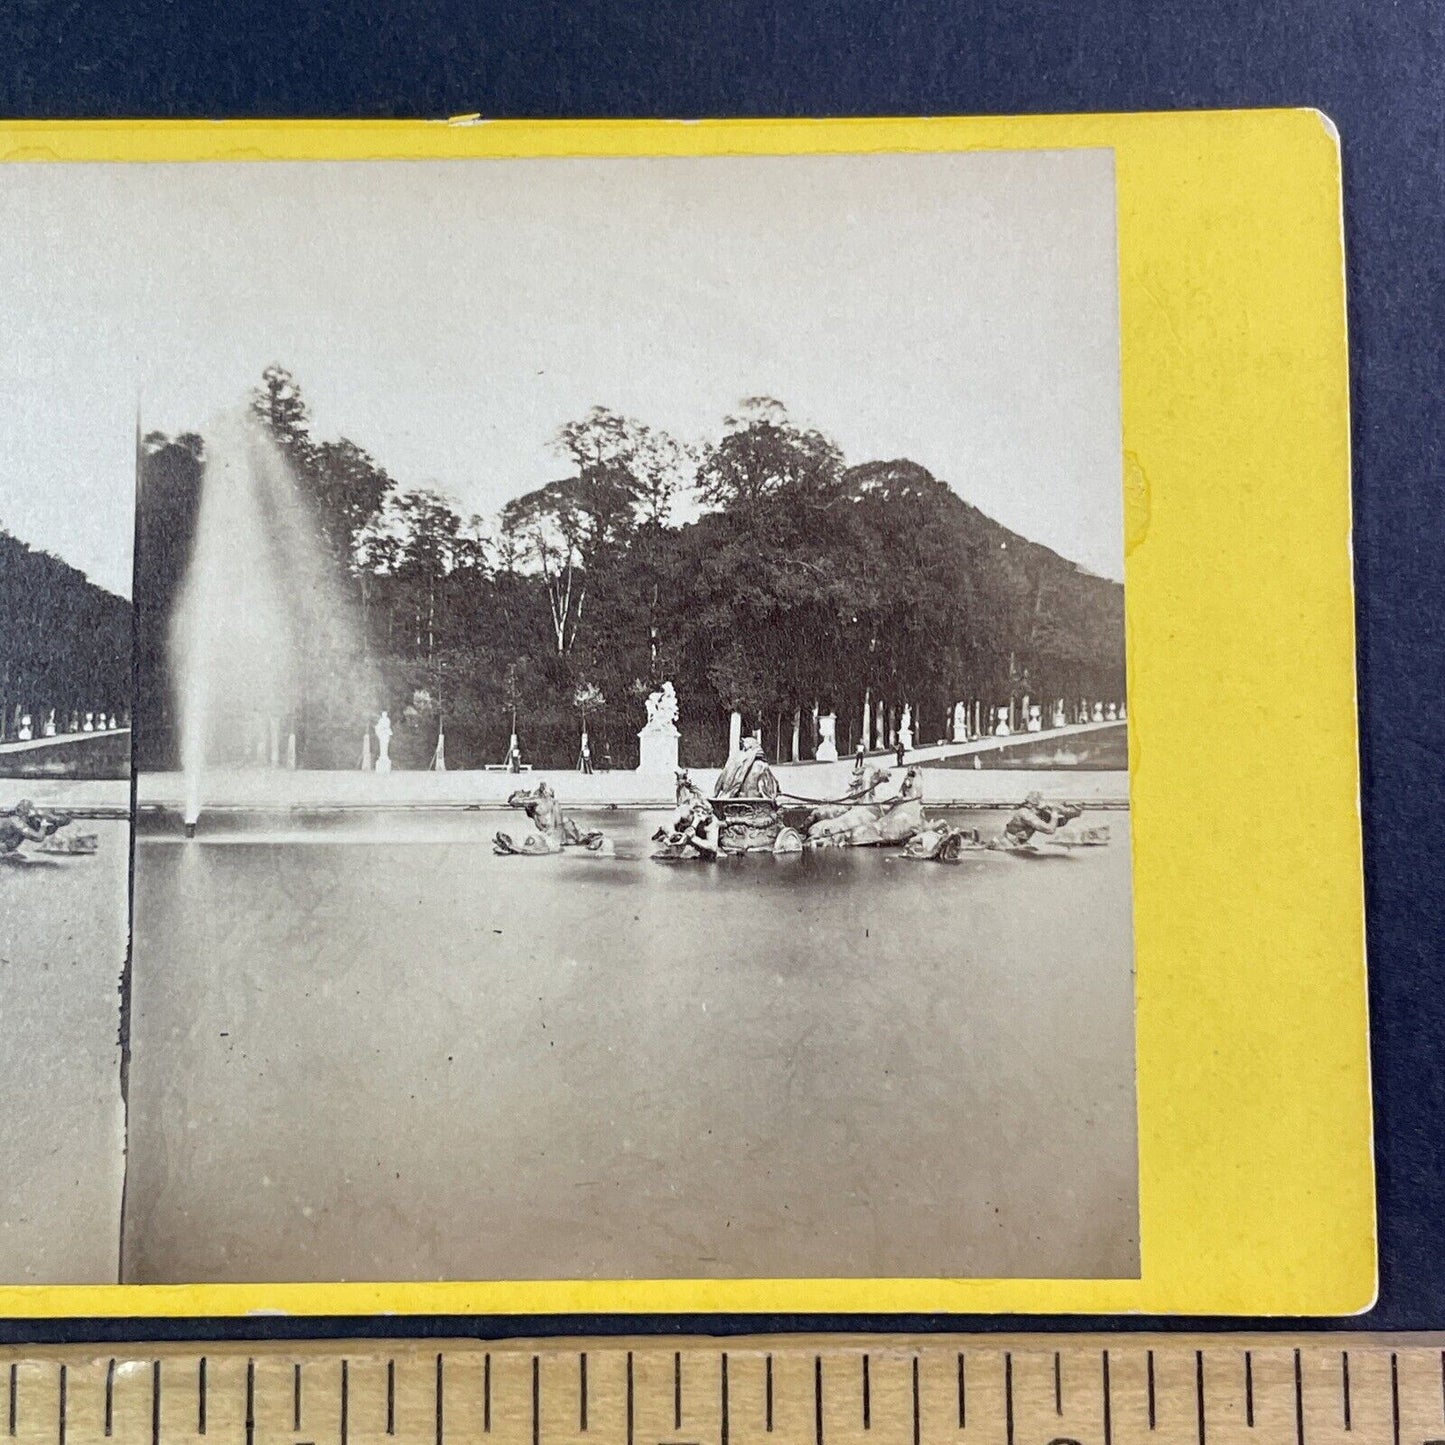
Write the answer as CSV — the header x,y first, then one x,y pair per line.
x,y
1256,1174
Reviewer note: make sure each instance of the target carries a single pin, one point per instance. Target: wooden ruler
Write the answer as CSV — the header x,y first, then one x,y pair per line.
x,y
787,1390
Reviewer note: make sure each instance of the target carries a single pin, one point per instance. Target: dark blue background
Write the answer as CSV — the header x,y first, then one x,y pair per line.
x,y
1376,66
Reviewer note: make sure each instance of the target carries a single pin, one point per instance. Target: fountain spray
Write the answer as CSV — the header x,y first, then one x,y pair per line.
x,y
262,627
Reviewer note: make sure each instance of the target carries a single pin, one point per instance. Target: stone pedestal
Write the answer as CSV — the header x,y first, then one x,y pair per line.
x,y
1060,720
657,750
1036,721
1001,727
828,738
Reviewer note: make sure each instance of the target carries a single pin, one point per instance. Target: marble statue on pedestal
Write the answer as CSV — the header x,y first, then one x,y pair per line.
x,y
1098,712
1036,720
905,728
383,743
1001,727
960,722
1111,712
657,742
827,738
1060,718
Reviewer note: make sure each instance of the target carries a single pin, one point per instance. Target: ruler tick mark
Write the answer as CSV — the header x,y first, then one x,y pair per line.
x,y
1008,1397
1345,1385
1058,1385
110,1396
200,1398
867,1395
1249,1388
155,1402
1109,1404
916,1411
768,1394
345,1400
441,1401
629,1398
391,1397
818,1399
1150,1377
1299,1401
676,1390
487,1392
536,1399
1394,1398
63,1392
14,1402
962,1394
582,1391
250,1402
1199,1391
296,1397
723,1426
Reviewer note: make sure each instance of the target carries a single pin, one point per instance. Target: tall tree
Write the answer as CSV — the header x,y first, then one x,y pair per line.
x,y
763,455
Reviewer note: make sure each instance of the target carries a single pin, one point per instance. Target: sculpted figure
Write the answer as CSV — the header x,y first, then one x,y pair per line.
x,y
746,774
866,820
694,831
551,831
1033,817
383,743
25,823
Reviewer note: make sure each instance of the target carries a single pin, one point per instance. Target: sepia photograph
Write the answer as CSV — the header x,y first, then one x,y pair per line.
x,y
567,719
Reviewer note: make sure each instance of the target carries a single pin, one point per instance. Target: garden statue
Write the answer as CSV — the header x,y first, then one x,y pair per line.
x,y
383,743
657,742
827,738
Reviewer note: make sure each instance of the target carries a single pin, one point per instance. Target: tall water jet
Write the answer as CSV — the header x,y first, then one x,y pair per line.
x,y
264,644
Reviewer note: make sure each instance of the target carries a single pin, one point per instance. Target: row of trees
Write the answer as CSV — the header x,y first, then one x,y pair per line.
x,y
800,583
65,644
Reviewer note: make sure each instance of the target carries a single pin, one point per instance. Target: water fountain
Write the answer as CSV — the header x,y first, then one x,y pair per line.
x,y
263,643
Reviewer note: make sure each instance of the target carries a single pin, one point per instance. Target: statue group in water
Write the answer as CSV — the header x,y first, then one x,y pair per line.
x,y
25,824
750,813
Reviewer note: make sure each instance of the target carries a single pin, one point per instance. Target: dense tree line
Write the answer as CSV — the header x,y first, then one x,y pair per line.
x,y
65,644
801,585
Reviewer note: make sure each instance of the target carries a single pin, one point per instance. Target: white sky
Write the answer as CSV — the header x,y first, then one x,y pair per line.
x,y
960,310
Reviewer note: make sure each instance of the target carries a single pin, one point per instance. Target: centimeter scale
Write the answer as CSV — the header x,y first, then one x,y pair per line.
x,y
787,1390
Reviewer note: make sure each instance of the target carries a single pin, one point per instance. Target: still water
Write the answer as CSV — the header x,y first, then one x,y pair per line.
x,y
366,1047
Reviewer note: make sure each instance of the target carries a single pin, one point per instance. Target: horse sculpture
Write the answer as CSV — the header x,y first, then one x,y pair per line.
x,y
863,820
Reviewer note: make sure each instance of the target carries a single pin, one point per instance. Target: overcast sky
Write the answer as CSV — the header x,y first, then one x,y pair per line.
x,y
961,310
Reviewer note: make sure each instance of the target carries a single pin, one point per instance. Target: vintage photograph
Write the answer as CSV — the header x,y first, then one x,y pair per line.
x,y
626,715
66,524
